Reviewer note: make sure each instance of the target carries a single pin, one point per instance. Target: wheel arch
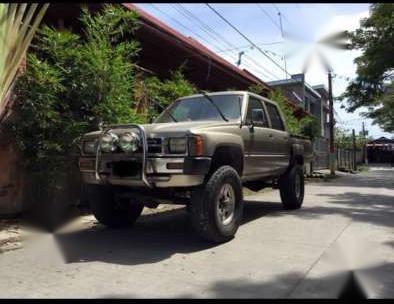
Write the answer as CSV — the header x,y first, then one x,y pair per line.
x,y
228,154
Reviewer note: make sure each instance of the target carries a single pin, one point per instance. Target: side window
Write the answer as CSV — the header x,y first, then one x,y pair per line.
x,y
276,120
261,118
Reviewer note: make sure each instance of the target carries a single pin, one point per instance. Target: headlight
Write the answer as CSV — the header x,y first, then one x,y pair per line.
x,y
177,145
128,142
89,146
108,142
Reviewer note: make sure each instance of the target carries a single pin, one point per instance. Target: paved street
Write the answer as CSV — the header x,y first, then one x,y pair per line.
x,y
346,223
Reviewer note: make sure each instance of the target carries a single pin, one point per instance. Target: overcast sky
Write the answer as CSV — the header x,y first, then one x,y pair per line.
x,y
260,23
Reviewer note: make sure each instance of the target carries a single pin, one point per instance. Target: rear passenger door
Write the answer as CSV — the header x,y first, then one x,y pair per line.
x,y
278,139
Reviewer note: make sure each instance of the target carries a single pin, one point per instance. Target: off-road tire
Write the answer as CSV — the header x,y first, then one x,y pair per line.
x,y
111,212
287,187
203,206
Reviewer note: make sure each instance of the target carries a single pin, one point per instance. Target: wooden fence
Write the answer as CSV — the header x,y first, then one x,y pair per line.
x,y
348,159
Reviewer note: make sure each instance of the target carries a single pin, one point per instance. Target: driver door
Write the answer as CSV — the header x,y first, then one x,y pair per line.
x,y
256,140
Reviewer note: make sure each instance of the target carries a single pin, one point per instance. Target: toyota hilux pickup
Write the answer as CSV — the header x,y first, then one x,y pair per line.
x,y
200,152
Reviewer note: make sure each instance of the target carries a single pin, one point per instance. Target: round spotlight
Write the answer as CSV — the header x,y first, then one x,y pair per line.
x,y
129,142
108,142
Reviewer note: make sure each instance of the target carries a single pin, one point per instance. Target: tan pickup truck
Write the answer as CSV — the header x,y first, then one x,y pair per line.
x,y
199,151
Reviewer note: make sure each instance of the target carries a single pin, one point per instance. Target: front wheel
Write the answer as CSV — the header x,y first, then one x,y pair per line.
x,y
113,211
291,187
216,208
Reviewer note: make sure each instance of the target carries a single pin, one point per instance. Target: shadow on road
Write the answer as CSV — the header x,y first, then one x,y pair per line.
x,y
377,177
157,237
360,283
154,238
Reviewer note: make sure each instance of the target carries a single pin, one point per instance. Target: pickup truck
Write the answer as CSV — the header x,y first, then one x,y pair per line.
x,y
200,152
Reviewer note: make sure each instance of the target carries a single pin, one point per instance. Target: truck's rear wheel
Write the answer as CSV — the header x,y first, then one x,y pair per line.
x,y
291,187
216,208
112,211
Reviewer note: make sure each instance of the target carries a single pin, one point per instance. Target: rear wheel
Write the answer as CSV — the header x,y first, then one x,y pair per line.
x,y
216,208
291,187
113,211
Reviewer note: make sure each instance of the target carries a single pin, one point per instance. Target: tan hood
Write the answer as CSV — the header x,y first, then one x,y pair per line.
x,y
168,129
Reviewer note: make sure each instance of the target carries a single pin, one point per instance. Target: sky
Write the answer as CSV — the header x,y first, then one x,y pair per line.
x,y
261,24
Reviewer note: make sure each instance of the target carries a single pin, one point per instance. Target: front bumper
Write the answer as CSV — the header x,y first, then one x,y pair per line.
x,y
161,172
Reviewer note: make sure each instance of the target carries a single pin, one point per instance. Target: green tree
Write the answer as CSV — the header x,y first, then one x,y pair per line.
x,y
344,139
375,67
168,90
74,82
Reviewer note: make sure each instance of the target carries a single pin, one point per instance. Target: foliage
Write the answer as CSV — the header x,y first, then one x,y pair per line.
x,y
384,114
73,83
306,126
168,90
18,24
344,139
375,66
293,123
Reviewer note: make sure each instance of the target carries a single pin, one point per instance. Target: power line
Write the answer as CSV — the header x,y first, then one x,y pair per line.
x,y
246,38
211,31
251,47
255,66
268,15
180,24
279,12
188,15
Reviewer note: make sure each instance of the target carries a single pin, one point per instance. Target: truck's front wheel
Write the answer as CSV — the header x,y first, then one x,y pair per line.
x,y
291,187
216,208
112,211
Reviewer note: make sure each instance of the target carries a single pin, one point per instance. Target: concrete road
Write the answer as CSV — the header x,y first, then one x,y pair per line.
x,y
344,224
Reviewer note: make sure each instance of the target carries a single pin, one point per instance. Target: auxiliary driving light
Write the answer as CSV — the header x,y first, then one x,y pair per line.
x,y
129,142
108,142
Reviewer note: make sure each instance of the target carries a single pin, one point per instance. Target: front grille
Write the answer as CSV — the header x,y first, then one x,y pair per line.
x,y
154,145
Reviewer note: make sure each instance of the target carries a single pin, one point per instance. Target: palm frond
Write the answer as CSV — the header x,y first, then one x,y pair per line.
x,y
18,24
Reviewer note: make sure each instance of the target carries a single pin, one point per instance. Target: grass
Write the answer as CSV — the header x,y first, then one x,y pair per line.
x,y
363,168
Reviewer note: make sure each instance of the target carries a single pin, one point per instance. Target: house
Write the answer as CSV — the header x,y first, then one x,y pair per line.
x,y
381,150
313,100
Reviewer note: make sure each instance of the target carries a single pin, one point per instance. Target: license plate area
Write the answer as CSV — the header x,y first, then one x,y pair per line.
x,y
126,169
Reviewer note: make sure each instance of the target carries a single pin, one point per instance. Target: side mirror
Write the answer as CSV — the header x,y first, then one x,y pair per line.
x,y
257,117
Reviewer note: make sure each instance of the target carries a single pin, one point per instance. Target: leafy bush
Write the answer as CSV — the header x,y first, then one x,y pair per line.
x,y
344,139
168,90
72,83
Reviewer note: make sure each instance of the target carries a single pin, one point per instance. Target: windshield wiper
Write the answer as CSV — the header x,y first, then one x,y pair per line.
x,y
214,104
163,108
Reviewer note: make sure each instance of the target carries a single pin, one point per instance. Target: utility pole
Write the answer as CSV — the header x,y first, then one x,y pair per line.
x,y
365,146
281,31
354,150
331,124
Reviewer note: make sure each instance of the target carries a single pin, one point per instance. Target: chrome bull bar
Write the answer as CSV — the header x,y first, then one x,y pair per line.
x,y
144,150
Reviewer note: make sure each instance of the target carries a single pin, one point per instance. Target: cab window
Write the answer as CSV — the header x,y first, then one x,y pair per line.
x,y
260,119
276,120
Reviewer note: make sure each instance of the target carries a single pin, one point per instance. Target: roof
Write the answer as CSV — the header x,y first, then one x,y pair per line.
x,y
193,45
284,82
382,140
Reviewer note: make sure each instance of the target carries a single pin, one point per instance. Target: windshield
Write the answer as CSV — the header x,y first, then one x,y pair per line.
x,y
200,108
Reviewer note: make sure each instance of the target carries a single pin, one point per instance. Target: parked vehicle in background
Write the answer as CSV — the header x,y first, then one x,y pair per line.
x,y
198,152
